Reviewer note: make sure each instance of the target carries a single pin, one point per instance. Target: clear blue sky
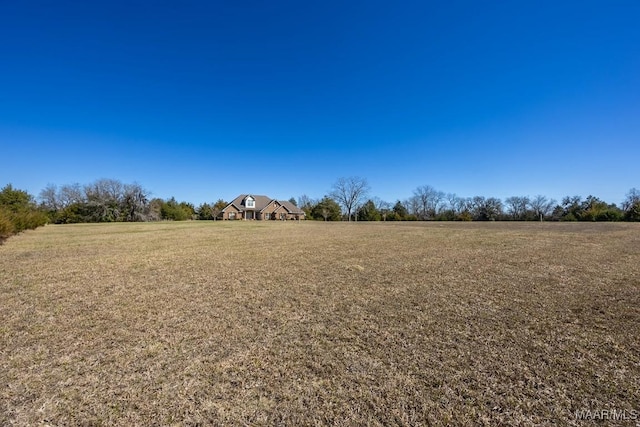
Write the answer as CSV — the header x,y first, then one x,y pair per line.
x,y
208,99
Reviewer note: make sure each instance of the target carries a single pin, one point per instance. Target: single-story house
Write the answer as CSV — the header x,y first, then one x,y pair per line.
x,y
248,206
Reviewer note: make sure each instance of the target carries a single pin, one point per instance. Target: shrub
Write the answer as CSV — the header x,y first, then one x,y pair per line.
x,y
447,215
18,212
392,216
610,214
174,211
6,225
464,216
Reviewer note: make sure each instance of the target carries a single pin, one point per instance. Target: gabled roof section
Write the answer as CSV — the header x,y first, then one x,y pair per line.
x,y
291,207
261,202
237,202
268,204
228,206
280,208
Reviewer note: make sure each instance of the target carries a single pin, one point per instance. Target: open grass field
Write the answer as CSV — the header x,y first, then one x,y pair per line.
x,y
203,323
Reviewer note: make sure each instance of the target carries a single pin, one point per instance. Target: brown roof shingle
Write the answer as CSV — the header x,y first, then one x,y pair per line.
x,y
262,202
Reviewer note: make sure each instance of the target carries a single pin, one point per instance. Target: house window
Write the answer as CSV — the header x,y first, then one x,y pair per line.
x,y
267,216
232,215
250,202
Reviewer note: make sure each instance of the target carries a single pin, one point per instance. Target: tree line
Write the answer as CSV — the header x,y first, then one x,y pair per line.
x,y
349,199
478,208
109,200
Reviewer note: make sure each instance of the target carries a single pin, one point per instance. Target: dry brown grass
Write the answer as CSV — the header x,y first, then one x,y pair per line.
x,y
319,323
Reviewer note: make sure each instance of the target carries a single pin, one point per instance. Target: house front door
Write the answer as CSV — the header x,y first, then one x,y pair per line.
x,y
248,215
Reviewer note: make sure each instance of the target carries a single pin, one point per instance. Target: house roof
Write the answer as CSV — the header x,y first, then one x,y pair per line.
x,y
291,207
261,203
238,202
274,202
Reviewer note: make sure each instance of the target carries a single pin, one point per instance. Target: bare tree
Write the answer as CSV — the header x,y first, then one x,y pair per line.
x,y
350,193
104,191
306,203
382,206
486,209
517,206
70,194
49,197
633,198
541,206
413,206
104,200
429,200
217,208
134,202
466,205
631,205
420,201
453,201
